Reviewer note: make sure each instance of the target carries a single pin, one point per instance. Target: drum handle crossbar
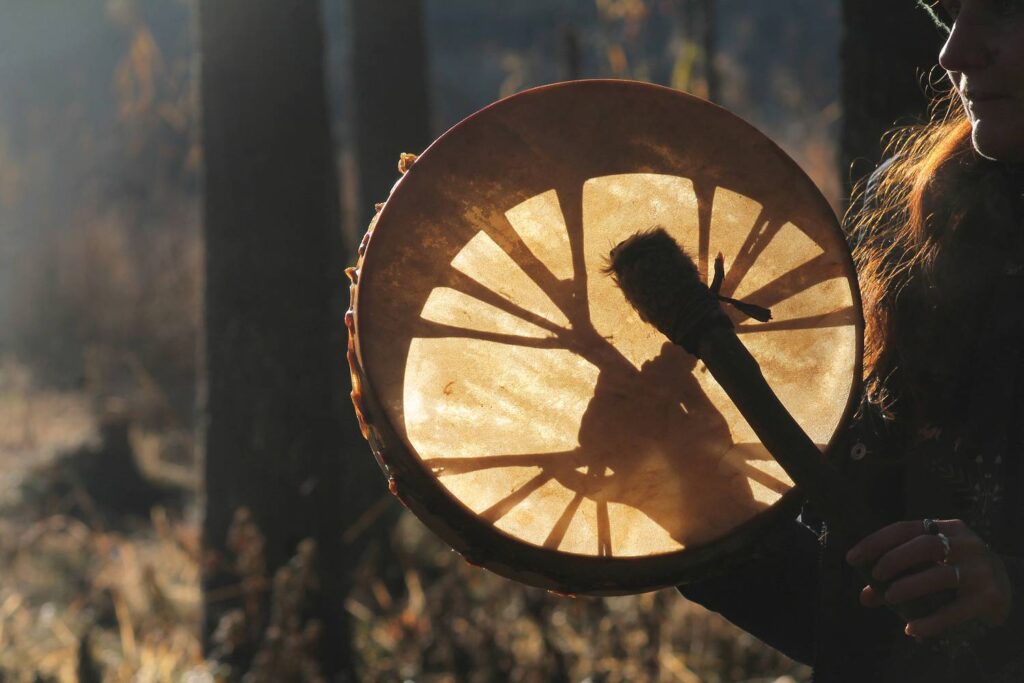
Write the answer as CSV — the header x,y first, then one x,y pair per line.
x,y
663,285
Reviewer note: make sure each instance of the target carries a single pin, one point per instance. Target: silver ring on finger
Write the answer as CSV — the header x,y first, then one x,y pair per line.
x,y
944,539
931,527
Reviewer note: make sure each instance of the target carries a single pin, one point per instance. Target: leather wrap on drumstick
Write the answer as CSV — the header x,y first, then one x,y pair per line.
x,y
662,283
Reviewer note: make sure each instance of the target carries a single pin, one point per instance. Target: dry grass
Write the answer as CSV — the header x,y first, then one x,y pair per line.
x,y
131,595
444,620
35,425
78,597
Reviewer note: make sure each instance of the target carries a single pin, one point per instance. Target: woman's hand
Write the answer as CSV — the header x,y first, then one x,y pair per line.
x,y
983,590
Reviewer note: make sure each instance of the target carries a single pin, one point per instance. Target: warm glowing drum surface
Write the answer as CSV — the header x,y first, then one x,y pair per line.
x,y
514,379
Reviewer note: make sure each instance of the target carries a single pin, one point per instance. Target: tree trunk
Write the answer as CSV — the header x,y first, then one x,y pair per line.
x,y
391,95
280,436
709,44
889,49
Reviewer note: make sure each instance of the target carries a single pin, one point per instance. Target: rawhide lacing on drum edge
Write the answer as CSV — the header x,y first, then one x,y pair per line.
x,y
661,282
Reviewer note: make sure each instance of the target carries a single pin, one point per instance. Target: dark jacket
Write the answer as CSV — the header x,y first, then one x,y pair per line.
x,y
798,594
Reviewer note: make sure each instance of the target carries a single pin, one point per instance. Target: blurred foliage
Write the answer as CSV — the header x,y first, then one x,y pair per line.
x,y
125,604
121,603
100,306
444,620
776,63
101,208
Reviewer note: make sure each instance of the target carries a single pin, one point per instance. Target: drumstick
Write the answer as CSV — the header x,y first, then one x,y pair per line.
x,y
662,283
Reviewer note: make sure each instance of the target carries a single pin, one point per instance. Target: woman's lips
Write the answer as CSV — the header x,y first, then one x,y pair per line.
x,y
981,104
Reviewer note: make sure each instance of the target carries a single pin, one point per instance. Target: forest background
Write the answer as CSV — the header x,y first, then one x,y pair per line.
x,y
104,265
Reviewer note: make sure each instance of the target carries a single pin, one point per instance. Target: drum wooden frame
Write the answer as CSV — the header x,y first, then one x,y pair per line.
x,y
479,284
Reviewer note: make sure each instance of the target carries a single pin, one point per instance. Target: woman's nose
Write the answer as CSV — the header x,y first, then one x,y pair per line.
x,y
968,47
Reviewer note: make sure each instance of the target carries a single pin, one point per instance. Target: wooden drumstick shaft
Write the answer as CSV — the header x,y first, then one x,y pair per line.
x,y
732,366
661,282
736,371
663,285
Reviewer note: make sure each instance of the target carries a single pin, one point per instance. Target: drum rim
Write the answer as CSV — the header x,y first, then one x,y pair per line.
x,y
559,571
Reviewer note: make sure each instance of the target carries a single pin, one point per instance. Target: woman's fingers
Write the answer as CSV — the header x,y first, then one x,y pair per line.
x,y
869,597
963,543
957,612
873,546
936,578
954,558
917,550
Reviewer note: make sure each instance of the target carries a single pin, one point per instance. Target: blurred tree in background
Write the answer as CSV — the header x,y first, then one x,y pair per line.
x,y
286,468
889,57
99,173
390,93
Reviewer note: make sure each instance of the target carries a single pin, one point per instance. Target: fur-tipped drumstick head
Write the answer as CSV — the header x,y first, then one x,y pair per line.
x,y
653,272
662,283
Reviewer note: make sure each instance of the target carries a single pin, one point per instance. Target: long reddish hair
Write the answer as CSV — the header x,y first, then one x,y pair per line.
x,y
915,230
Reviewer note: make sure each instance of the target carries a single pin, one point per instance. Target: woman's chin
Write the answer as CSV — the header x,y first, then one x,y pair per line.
x,y
999,143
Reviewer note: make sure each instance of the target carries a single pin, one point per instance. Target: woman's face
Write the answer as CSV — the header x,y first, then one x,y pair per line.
x,y
984,56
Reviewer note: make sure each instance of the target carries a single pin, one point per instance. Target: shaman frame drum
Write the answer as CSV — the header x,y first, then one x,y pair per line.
x,y
517,404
